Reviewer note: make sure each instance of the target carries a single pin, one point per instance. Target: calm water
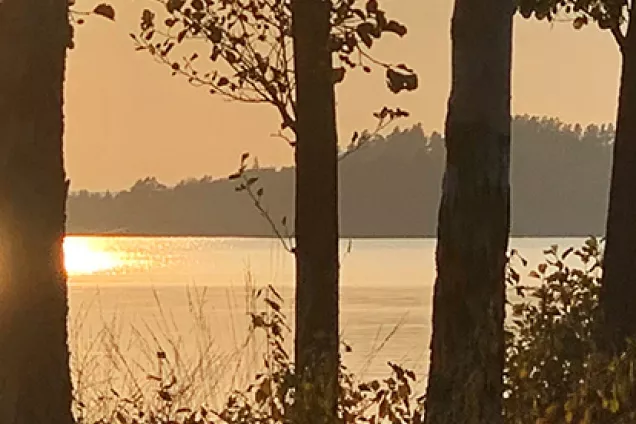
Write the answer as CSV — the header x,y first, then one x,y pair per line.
x,y
144,294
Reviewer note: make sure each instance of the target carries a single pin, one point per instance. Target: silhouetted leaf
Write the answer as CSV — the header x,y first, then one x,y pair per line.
x,y
397,81
395,27
147,19
174,5
364,32
105,10
182,35
372,6
338,75
579,22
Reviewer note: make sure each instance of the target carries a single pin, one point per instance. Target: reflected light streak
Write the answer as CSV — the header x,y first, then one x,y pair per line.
x,y
84,256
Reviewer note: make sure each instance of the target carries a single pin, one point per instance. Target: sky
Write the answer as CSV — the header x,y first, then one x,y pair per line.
x,y
128,118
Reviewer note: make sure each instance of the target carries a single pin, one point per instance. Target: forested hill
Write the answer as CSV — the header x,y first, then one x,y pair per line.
x,y
389,188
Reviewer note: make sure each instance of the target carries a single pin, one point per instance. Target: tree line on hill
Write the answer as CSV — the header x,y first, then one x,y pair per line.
x,y
390,187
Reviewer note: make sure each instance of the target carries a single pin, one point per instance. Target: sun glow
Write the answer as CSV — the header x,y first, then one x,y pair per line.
x,y
88,256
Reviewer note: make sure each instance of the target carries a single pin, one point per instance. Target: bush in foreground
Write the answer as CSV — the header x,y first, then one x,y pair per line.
x,y
555,371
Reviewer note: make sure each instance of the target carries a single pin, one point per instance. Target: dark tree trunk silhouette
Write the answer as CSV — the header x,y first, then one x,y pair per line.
x,y
467,347
316,222
35,386
618,291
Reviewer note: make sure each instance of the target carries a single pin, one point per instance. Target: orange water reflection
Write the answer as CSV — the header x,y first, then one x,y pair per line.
x,y
84,256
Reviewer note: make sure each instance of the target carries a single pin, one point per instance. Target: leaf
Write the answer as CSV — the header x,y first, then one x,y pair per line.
x,y
165,395
182,35
216,35
275,306
338,74
364,31
174,5
565,254
372,6
105,10
397,81
534,274
396,28
147,19
580,22
275,292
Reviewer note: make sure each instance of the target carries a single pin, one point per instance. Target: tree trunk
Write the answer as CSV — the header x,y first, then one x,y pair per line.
x,y
467,347
618,291
316,222
35,386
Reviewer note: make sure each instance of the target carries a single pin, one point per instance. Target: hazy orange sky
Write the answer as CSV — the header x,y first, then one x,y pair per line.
x,y
128,118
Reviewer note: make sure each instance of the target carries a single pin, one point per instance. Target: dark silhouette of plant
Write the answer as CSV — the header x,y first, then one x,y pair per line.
x,y
619,288
248,47
556,372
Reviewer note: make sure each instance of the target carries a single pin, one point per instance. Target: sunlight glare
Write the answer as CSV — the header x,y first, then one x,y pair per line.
x,y
84,256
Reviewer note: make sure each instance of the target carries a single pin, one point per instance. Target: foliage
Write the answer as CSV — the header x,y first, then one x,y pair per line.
x,y
269,398
609,15
249,46
555,372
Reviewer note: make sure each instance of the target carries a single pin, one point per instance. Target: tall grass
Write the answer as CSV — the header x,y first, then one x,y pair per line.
x,y
151,372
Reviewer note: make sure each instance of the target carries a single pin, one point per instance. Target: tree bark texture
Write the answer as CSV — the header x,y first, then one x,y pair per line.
x,y
467,347
35,385
316,216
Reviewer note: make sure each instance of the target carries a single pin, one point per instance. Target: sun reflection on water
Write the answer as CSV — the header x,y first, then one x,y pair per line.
x,y
84,256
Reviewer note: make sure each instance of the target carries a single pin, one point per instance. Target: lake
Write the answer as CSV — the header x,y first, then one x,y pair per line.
x,y
190,297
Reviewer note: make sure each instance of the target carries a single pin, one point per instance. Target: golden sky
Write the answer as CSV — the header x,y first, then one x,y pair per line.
x,y
127,117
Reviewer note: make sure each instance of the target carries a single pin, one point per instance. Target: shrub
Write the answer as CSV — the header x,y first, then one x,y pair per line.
x,y
555,371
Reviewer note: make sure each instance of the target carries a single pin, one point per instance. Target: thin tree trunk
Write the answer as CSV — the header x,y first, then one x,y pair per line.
x,y
35,386
316,222
618,292
467,347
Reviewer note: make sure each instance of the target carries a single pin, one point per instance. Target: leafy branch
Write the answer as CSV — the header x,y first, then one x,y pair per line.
x,y
610,15
250,47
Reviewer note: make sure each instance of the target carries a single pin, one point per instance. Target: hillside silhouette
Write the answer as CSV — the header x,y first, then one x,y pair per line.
x,y
390,187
